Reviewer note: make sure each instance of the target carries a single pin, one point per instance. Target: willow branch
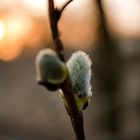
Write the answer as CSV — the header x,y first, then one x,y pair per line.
x,y
52,14
65,5
75,115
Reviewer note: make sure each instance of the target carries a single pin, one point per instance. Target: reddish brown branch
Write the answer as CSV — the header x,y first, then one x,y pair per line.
x,y
75,115
52,14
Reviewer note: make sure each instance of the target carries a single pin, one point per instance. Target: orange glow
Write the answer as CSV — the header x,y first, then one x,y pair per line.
x,y
10,51
35,3
36,6
14,27
2,30
17,27
21,29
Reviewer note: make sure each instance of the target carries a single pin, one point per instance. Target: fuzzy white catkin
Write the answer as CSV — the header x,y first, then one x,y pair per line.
x,y
50,68
79,67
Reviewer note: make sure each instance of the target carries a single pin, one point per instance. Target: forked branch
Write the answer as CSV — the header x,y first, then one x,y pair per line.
x,y
65,5
75,115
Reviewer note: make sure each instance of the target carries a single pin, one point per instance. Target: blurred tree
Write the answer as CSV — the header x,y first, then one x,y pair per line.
x,y
107,67
116,80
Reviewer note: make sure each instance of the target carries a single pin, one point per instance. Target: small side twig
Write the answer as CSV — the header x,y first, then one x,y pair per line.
x,y
65,5
75,115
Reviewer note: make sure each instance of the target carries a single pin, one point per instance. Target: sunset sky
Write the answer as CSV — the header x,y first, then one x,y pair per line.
x,y
24,22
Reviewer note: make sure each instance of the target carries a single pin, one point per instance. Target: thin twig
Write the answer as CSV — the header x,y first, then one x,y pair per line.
x,y
75,115
65,5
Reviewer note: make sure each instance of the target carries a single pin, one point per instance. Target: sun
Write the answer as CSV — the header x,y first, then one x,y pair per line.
x,y
2,30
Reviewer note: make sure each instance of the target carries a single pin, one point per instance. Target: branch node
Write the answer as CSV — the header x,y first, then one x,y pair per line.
x,y
59,11
65,5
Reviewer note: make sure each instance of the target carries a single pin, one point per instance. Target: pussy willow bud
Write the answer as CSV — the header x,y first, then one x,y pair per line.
x,y
51,71
79,67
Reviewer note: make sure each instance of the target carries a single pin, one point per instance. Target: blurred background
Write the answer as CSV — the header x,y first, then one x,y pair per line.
x,y
109,30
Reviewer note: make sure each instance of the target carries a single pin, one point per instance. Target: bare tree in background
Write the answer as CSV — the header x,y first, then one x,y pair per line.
x,y
109,67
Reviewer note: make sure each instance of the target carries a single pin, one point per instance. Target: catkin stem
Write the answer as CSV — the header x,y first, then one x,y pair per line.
x,y
75,115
